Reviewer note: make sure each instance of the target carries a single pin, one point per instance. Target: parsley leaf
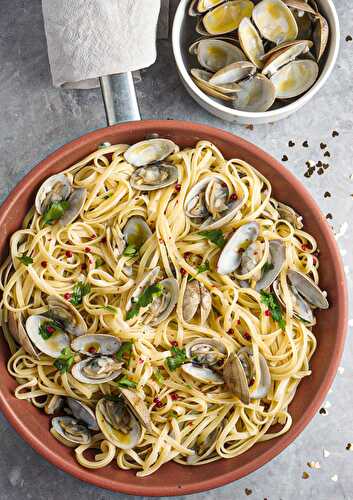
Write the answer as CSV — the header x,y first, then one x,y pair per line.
x,y
65,360
130,250
177,358
158,377
172,414
24,259
55,211
215,236
144,299
124,353
267,267
47,328
201,269
126,382
98,263
270,300
78,292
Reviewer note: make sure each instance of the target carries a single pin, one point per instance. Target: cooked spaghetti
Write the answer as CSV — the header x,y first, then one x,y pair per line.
x,y
158,305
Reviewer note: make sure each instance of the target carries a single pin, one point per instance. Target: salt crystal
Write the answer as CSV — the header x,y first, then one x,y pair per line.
x,y
326,453
334,478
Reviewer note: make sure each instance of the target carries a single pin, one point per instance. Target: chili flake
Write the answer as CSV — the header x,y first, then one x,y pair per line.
x,y
67,296
44,264
267,312
247,336
230,331
183,271
68,253
233,197
174,396
87,249
177,187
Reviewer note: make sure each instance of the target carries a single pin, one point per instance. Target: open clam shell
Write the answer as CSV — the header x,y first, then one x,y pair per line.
x,y
288,214
275,21
230,257
245,355
82,413
201,78
19,333
118,423
163,306
206,352
320,36
196,299
215,53
257,94
96,370
71,430
64,313
233,73
277,258
76,202
284,55
301,308
150,151
138,407
308,289
153,177
98,343
136,231
251,42
52,346
227,16
202,374
295,78
235,378
56,188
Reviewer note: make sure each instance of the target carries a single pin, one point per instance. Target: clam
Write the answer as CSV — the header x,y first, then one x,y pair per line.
x,y
137,407
320,36
98,343
54,405
251,42
19,333
118,423
257,94
290,215
55,189
193,8
205,5
76,202
201,79
163,305
275,21
205,441
96,370
71,430
283,56
136,231
153,177
230,257
307,289
206,352
151,151
82,413
277,256
215,53
197,299
39,330
300,6
301,309
250,258
64,313
295,78
239,371
233,73
202,374
209,203
227,16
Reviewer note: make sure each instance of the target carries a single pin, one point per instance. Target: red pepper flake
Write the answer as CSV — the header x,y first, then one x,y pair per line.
x,y
91,261
92,350
187,255
230,331
233,197
157,403
68,253
87,249
67,296
252,381
183,272
174,343
140,361
50,329
177,187
267,312
44,263
238,322
247,335
174,396
83,266
305,247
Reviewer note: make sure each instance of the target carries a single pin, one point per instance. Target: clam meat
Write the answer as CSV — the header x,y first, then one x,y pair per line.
x,y
118,423
151,177
71,430
96,370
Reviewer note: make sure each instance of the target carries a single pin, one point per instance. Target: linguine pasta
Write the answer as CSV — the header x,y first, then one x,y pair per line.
x,y
190,421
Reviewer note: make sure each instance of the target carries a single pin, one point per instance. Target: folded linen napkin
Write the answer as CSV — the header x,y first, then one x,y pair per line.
x,y
91,38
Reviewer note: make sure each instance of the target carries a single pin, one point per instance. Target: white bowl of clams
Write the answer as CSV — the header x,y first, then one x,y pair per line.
x,y
255,61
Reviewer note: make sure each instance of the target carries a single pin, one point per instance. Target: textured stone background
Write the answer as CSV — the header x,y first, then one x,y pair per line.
x,y
36,118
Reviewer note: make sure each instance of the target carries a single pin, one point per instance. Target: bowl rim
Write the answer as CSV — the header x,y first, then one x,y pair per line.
x,y
274,114
138,487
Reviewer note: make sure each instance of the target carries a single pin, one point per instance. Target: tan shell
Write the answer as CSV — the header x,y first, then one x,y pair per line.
x,y
295,78
215,53
285,55
65,427
124,438
257,94
275,21
196,299
66,314
150,151
251,42
151,177
53,345
227,17
76,202
235,379
138,407
55,188
202,374
320,36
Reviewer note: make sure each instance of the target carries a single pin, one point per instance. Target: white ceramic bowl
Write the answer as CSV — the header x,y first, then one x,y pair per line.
x,y
182,36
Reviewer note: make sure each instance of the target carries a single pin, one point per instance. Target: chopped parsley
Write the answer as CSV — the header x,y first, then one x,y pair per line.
x,y
158,377
78,292
172,414
131,250
47,328
25,259
55,211
215,236
98,263
177,358
65,360
145,299
202,268
126,382
268,266
124,353
270,300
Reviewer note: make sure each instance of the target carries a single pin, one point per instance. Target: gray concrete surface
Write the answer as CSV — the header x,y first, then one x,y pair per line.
x,y
35,119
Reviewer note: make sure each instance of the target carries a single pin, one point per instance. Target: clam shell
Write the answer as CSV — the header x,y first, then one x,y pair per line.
x,y
227,17
192,11
301,6
191,300
251,42
149,279
283,56
205,359
76,202
230,257
203,77
265,377
215,53
211,90
152,171
257,94
98,343
150,151
290,215
308,289
235,379
202,374
78,374
278,255
205,5
53,345
301,309
170,285
138,407
136,231
275,21
295,78
47,187
320,36
233,73
66,314
82,413
118,438
85,437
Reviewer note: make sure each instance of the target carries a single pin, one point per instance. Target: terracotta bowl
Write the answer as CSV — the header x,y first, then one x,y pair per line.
x,y
173,479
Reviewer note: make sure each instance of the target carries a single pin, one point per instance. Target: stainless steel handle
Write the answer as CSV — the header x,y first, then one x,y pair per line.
x,y
119,97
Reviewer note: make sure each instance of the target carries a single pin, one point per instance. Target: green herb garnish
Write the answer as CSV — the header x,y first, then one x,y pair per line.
x,y
270,300
177,358
78,292
98,263
47,328
55,211
124,353
126,382
215,236
172,414
158,377
144,299
268,266
201,269
130,251
65,360
24,259
113,397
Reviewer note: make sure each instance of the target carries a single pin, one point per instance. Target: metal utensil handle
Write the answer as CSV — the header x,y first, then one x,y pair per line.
x,y
119,97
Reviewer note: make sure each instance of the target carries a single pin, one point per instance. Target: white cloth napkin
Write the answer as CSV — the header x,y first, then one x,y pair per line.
x,y
91,38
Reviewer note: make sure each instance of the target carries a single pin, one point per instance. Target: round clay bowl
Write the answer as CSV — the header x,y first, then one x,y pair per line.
x,y
174,479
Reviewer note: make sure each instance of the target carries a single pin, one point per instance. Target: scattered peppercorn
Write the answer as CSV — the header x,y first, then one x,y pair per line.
x,y
329,216
284,158
327,194
305,144
335,133
323,146
349,38
291,144
248,491
322,411
327,153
